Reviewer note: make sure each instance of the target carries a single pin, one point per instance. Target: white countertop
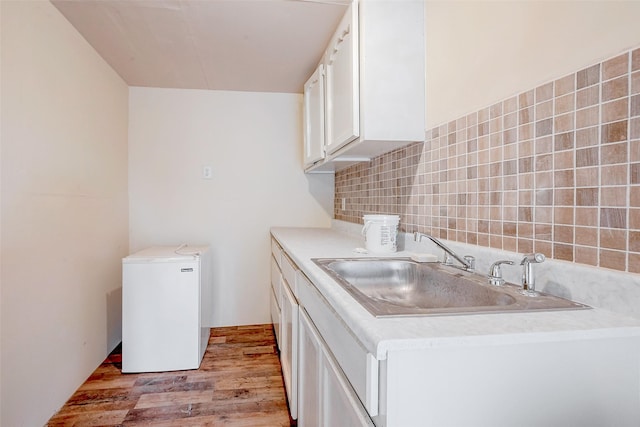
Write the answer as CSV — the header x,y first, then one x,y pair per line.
x,y
380,335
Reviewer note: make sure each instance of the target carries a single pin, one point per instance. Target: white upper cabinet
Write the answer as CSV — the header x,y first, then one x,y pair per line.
x,y
314,117
375,83
341,59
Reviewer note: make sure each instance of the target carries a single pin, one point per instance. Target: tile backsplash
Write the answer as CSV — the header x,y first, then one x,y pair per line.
x,y
555,169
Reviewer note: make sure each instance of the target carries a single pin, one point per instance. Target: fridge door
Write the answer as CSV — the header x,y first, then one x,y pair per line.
x,y
160,316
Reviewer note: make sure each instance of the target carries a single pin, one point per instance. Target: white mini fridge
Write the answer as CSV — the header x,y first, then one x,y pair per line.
x,y
166,300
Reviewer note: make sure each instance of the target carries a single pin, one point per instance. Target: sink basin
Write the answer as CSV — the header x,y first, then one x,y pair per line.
x,y
402,287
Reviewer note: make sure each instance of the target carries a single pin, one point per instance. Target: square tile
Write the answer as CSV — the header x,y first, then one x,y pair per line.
x,y
525,245
634,263
616,88
565,85
613,196
613,217
635,106
586,255
565,104
587,177
564,178
544,127
587,196
563,234
614,174
564,160
566,197
587,137
614,153
587,236
544,110
588,117
588,77
615,110
588,97
526,99
614,132
544,92
615,67
615,260
510,105
563,252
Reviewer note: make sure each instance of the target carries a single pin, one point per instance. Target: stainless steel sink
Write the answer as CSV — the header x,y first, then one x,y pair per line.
x,y
402,287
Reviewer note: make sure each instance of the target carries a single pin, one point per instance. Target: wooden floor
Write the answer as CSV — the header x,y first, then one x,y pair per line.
x,y
239,383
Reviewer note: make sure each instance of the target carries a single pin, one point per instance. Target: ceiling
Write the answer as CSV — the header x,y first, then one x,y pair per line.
x,y
240,45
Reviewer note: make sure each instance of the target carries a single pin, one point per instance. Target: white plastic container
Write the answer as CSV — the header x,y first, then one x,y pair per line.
x,y
380,232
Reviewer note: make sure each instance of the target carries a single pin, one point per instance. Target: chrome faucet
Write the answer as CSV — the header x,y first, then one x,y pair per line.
x,y
467,263
528,281
495,273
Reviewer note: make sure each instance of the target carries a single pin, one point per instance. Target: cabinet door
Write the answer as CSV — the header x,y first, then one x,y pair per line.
x,y
275,318
342,101
314,117
341,407
309,396
289,347
325,397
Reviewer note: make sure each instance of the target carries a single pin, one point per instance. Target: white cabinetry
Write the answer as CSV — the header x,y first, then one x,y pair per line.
x,y
310,404
574,382
326,398
326,371
289,348
341,59
284,315
375,83
573,368
359,366
314,117
276,287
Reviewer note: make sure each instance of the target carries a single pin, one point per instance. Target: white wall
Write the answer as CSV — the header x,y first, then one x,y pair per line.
x,y
480,52
64,210
253,142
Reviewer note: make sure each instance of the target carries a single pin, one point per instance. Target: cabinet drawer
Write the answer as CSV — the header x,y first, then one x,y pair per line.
x,y
276,251
359,366
276,281
289,273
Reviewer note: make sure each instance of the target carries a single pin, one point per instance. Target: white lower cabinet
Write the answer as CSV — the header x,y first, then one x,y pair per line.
x,y
289,348
284,315
276,286
325,396
275,317
309,381
583,382
318,390
557,379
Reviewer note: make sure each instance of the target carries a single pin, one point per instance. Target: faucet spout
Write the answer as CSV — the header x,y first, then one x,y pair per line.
x,y
528,280
466,265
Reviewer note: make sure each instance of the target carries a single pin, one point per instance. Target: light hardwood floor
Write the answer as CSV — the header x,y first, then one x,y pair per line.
x,y
239,383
